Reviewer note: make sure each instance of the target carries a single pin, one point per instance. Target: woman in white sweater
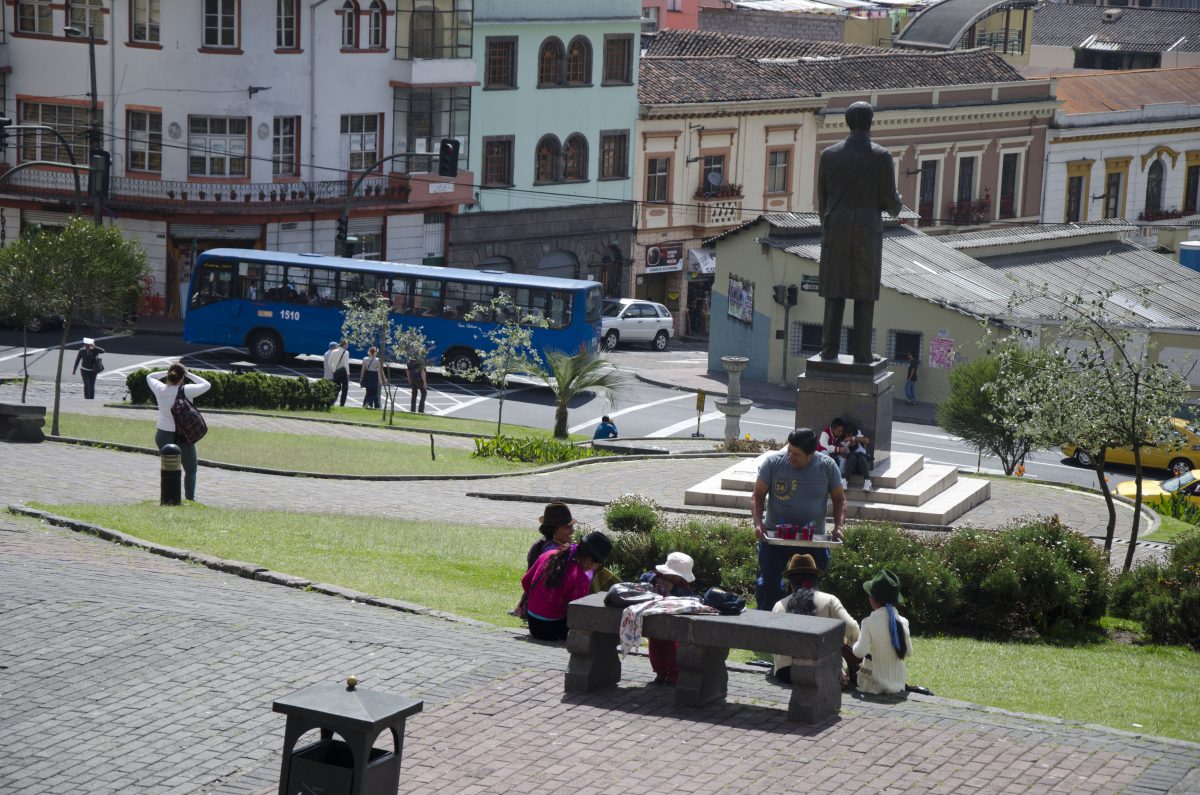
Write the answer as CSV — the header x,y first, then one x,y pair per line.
x,y
165,385
884,642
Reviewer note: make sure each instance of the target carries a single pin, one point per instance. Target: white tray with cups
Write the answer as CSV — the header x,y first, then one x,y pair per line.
x,y
818,540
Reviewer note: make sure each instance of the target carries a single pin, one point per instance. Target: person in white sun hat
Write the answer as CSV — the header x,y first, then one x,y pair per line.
x,y
673,578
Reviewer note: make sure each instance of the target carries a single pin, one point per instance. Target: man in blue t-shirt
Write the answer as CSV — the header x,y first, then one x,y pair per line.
x,y
794,485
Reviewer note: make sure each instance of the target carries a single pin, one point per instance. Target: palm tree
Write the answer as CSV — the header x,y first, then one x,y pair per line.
x,y
570,376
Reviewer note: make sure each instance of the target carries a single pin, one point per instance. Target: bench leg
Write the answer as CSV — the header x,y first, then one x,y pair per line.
x,y
702,675
816,689
594,662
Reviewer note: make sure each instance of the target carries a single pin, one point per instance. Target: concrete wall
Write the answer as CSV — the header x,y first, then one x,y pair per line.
x,y
774,24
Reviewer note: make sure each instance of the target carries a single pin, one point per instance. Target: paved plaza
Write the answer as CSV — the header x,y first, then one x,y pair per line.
x,y
122,671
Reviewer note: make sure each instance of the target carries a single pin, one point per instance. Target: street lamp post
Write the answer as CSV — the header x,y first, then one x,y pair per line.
x,y
97,157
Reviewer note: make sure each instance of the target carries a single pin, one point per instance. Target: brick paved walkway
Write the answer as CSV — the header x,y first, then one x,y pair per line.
x,y
125,672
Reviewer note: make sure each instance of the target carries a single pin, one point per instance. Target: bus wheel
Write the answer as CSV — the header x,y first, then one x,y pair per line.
x,y
459,362
265,346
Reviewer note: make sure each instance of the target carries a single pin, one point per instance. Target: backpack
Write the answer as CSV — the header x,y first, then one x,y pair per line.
x,y
624,594
190,426
724,602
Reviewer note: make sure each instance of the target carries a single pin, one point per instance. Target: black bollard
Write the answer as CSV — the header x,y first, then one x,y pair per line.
x,y
171,487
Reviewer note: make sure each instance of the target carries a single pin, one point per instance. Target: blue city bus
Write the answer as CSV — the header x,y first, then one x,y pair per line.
x,y
276,304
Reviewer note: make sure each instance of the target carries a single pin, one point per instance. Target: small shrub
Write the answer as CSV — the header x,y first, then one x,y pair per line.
x,y
929,586
725,553
248,390
1177,506
1165,598
748,445
632,513
533,450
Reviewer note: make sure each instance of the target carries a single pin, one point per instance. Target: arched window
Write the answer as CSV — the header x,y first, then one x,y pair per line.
x,y
1154,184
376,25
349,25
546,160
579,61
550,63
575,158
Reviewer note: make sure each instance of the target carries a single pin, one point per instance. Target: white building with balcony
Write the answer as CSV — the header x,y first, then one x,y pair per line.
x,y
238,123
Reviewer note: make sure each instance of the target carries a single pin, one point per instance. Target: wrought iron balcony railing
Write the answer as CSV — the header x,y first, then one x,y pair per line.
x,y
233,197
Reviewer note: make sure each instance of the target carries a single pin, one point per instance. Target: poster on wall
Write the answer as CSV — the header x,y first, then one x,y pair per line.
x,y
941,352
664,258
741,299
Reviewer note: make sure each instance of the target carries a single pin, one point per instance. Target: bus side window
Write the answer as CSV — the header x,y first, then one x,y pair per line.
x,y
249,283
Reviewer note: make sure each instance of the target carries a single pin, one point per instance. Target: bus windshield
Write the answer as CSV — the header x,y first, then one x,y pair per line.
x,y
275,303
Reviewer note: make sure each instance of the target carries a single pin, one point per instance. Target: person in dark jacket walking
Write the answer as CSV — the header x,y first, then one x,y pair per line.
x,y
856,183
88,363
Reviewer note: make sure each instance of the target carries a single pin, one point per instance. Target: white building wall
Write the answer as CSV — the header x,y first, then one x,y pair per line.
x,y
405,238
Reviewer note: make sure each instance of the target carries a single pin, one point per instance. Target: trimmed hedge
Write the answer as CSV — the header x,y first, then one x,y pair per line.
x,y
532,449
725,553
248,390
1165,599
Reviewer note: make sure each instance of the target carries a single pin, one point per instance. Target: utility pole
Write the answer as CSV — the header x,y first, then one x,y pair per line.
x,y
98,159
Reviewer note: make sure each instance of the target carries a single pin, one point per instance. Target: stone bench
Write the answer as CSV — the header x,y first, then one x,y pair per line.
x,y
814,644
22,422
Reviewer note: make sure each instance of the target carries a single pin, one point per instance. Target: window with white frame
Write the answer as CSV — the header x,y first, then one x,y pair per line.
x,y
360,140
144,148
86,15
217,146
349,25
658,179
285,24
284,154
144,21
220,23
375,25
35,16
71,121
777,171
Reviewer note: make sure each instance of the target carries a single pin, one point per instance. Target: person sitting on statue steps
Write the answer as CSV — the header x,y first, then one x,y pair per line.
x,y
855,184
857,460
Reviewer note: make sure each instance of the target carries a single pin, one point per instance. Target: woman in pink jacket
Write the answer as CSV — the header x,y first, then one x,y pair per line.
x,y
559,577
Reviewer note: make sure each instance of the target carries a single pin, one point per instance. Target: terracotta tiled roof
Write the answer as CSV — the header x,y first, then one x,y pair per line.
x,y
1135,29
670,42
731,79
1128,90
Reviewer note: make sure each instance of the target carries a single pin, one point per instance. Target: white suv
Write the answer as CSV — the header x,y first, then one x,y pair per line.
x,y
631,320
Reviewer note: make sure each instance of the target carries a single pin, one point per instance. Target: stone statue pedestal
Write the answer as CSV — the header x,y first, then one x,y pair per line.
x,y
859,393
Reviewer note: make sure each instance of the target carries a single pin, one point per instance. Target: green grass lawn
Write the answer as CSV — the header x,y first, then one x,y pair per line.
x,y
422,422
315,453
1168,530
475,572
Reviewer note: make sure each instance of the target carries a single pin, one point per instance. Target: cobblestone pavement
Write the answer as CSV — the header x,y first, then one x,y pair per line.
x,y
126,672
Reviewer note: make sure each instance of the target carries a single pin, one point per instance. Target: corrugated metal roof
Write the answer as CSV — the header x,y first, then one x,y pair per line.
x,y
941,26
1008,236
1152,290
1128,90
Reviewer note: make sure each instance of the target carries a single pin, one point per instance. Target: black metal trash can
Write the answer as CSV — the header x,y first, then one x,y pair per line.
x,y
350,765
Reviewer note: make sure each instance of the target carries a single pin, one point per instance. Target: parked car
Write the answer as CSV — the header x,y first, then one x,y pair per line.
x,y
34,324
634,320
1185,453
1187,484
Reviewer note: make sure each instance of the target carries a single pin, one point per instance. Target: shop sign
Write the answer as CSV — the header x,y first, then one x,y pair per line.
x,y
664,258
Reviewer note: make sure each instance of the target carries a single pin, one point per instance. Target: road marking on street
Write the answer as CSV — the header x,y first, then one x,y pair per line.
x,y
631,409
679,426
150,364
481,399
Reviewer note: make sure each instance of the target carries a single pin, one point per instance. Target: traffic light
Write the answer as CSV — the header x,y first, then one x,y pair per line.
x,y
780,295
5,123
99,167
343,233
793,295
448,158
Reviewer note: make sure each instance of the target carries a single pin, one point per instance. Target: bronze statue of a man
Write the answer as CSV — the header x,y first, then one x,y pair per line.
x,y
856,183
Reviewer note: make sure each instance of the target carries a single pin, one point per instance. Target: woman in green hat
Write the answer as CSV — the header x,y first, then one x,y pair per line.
x,y
883,641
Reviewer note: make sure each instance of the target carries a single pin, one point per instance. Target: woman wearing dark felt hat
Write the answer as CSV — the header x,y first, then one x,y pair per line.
x,y
807,599
884,642
558,578
556,529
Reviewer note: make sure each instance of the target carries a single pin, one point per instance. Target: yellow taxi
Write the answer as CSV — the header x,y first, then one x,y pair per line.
x,y
1185,453
1187,484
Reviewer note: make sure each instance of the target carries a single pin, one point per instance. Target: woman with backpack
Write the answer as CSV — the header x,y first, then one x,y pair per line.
x,y
166,386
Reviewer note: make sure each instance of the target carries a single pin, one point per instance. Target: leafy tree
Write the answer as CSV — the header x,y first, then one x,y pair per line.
x,y
368,322
90,268
26,287
570,376
1110,394
512,346
984,409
